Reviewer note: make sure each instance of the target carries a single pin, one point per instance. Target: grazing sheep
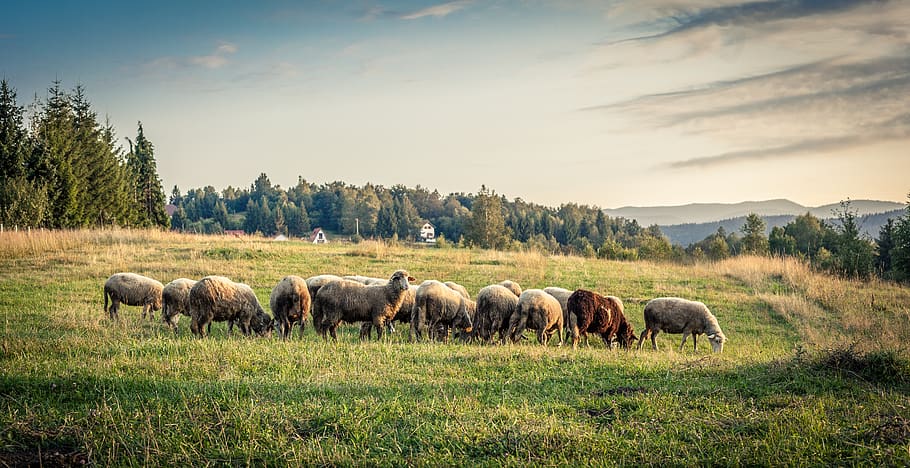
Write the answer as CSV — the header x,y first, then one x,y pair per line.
x,y
216,298
495,306
134,290
458,288
352,302
403,315
561,295
512,286
589,312
539,311
290,304
676,315
176,301
313,284
439,307
366,280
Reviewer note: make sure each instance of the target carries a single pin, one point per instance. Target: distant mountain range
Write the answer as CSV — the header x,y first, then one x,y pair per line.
x,y
687,224
709,212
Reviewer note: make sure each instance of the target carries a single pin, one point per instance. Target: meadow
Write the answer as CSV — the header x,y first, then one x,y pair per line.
x,y
815,371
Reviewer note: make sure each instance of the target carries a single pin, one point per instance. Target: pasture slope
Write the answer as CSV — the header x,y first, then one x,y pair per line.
x,y
814,373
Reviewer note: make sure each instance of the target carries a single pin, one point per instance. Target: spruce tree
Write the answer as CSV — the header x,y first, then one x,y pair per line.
x,y
754,240
148,192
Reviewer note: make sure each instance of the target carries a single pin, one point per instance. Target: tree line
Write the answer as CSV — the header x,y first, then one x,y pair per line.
x,y
63,168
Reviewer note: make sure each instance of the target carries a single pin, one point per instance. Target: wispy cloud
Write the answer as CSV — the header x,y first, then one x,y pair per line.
x,y
746,14
217,59
437,11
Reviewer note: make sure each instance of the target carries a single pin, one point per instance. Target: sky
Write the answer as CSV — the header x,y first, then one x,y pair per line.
x,y
606,103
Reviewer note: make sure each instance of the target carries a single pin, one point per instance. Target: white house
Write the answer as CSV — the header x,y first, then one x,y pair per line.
x,y
428,233
318,236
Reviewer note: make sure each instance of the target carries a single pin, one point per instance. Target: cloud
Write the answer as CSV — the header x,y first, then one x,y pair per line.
x,y
437,11
217,59
900,132
755,13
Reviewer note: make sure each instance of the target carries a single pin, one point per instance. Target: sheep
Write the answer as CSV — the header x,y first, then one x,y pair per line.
x,y
512,286
134,290
216,298
440,307
495,306
354,302
176,301
676,315
366,280
403,315
561,295
458,288
589,312
290,304
539,311
313,284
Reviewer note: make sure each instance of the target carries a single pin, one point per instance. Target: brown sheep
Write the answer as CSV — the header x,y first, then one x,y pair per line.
x,y
134,290
290,304
216,298
176,301
539,311
353,302
495,306
438,308
676,315
589,312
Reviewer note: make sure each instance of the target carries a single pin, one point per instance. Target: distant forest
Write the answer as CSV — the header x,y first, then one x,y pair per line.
x,y
63,168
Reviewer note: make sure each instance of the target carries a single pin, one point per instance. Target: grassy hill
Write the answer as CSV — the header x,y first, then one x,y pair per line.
x,y
815,370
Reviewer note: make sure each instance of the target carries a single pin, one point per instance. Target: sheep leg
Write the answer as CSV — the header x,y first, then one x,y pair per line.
x,y
518,329
332,331
641,339
244,327
654,339
365,331
302,325
695,340
379,323
685,335
541,336
115,308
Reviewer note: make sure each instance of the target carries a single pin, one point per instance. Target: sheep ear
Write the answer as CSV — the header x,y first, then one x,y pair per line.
x,y
411,278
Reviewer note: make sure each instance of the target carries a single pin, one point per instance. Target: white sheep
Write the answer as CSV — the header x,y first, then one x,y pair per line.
x,y
216,298
352,302
290,304
438,307
539,311
134,290
676,315
176,301
495,306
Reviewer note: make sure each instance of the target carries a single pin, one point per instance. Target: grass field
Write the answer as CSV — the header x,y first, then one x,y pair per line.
x,y
815,371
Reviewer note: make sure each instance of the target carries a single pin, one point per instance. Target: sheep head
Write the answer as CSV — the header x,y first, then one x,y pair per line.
x,y
401,278
717,341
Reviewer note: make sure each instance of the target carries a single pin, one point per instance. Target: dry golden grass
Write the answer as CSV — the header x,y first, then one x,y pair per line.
x,y
827,310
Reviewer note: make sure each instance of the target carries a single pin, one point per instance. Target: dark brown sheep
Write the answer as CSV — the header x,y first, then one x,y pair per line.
x,y
589,312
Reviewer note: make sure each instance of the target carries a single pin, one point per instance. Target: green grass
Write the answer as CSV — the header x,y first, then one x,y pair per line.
x,y
803,380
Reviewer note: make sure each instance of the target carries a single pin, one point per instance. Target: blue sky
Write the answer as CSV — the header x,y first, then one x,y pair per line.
x,y
610,103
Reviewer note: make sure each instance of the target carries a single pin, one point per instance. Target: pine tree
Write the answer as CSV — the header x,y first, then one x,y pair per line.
x,y
486,227
148,192
23,201
883,247
853,255
900,253
754,240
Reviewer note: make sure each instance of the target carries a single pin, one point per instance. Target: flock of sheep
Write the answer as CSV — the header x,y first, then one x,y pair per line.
x,y
433,308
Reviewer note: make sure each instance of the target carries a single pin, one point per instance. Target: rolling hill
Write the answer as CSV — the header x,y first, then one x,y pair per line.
x,y
697,213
